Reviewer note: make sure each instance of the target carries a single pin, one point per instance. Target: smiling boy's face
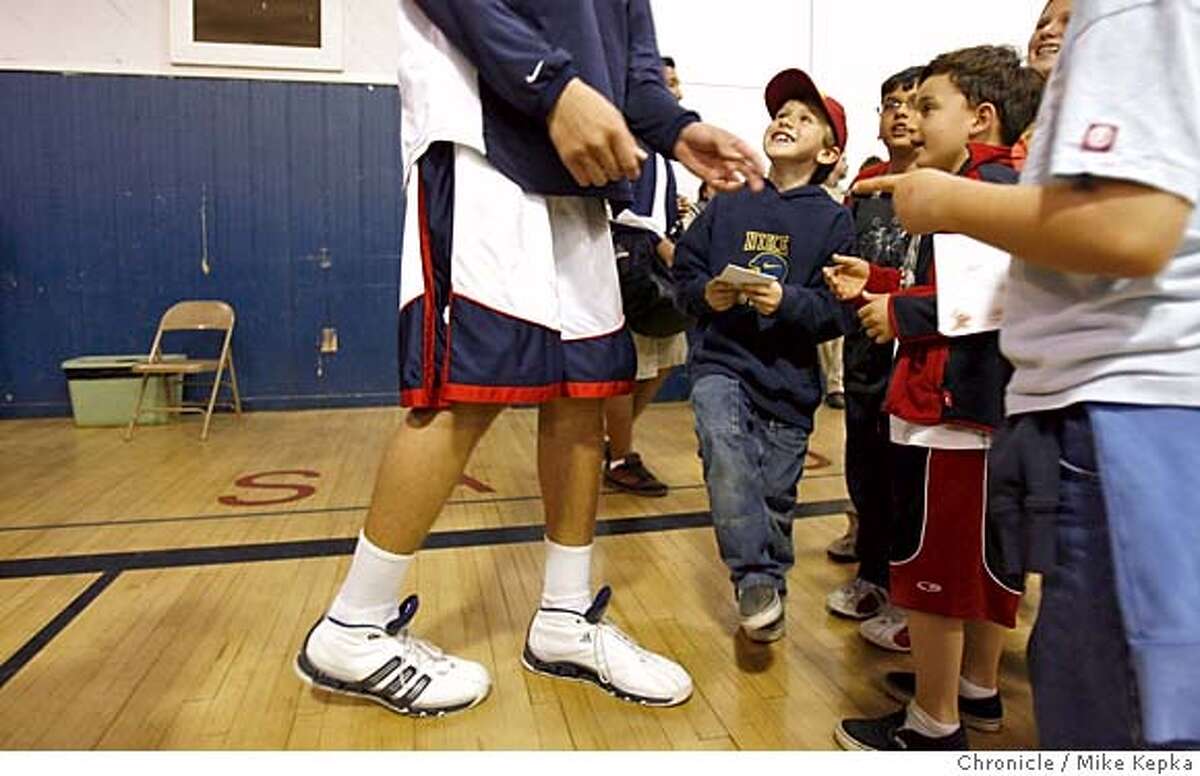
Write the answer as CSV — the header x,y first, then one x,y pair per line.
x,y
942,124
798,134
1047,39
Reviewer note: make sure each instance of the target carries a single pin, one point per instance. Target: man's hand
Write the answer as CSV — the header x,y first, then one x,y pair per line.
x,y
847,278
764,298
720,295
920,198
875,319
722,160
683,206
591,137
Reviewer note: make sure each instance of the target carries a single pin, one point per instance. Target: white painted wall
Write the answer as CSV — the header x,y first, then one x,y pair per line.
x,y
726,49
133,37
862,42
725,60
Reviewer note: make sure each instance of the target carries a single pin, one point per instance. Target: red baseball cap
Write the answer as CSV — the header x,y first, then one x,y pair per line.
x,y
794,84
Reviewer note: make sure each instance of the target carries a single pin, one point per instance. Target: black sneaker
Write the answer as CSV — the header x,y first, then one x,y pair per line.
x,y
888,734
984,714
632,476
836,401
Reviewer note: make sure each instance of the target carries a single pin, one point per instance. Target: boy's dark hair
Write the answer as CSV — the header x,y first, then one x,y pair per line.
x,y
870,161
1024,99
993,74
668,61
905,79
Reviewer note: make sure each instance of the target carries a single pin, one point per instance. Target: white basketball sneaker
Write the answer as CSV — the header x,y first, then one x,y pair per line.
x,y
586,647
390,666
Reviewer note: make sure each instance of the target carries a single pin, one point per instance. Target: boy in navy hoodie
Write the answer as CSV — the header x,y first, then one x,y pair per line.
x,y
756,378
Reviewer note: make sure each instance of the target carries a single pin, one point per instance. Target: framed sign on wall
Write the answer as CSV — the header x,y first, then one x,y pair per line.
x,y
287,34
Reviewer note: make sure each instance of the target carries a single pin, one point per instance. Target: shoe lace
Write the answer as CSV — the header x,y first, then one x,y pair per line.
x,y
422,648
600,646
419,651
595,616
859,587
890,615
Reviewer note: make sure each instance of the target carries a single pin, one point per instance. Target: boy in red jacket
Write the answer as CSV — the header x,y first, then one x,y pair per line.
x,y
945,398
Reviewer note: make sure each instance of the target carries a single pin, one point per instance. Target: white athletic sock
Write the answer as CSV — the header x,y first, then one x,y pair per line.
x,y
922,722
369,592
568,577
972,691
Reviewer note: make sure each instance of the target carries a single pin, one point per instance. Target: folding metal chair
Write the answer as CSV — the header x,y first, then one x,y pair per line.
x,y
209,315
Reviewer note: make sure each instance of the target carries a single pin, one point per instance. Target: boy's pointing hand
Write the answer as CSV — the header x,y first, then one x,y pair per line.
x,y
921,199
847,277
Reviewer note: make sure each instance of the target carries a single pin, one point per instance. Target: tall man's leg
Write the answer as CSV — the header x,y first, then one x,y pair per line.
x,y
569,636
362,646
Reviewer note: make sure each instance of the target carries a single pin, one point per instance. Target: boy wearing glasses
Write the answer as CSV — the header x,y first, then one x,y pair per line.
x,y
881,241
1101,325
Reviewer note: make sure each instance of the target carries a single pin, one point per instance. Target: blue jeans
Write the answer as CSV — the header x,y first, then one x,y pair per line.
x,y
1084,689
1114,656
752,464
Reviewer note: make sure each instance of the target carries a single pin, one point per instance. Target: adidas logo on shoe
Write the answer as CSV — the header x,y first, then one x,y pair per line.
x,y
389,666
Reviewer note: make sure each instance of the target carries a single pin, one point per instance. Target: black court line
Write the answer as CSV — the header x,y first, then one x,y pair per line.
x,y
116,562
10,667
300,512
111,565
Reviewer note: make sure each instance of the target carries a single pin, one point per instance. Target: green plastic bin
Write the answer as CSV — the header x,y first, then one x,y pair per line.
x,y
104,389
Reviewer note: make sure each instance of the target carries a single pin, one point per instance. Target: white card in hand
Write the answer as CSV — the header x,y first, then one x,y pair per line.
x,y
971,280
628,218
739,276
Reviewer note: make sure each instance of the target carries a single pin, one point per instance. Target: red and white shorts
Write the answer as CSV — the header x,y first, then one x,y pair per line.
x,y
940,558
505,297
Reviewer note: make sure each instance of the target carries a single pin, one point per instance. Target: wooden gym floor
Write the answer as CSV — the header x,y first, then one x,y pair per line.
x,y
153,594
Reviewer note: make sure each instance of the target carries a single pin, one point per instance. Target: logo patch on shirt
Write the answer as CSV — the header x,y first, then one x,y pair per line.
x,y
766,242
772,265
771,252
1100,138
536,72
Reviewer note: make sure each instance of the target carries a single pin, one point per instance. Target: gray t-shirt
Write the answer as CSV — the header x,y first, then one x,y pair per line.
x,y
1124,103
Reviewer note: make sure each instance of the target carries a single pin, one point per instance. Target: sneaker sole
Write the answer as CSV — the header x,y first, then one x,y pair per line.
x,y
302,666
764,618
975,723
768,633
849,742
649,493
856,616
885,645
578,673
